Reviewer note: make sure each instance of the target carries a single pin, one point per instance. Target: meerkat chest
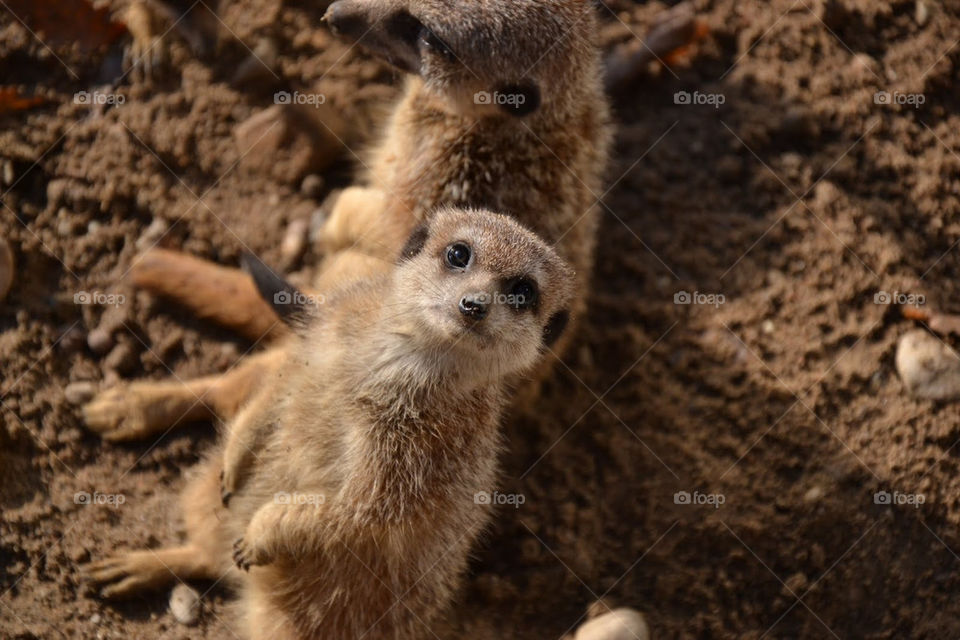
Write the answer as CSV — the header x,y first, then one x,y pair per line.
x,y
419,458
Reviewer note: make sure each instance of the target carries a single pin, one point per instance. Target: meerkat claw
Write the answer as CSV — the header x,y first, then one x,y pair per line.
x,y
241,555
225,494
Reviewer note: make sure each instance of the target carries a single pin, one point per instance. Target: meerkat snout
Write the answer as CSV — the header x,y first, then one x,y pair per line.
x,y
474,305
345,20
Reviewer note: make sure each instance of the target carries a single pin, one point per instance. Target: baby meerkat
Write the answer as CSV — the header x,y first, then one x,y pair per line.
x,y
504,110
346,502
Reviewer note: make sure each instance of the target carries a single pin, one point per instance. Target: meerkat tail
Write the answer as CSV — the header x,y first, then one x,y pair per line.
x,y
223,295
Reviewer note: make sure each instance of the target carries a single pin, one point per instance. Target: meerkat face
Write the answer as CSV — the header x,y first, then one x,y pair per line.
x,y
483,289
481,57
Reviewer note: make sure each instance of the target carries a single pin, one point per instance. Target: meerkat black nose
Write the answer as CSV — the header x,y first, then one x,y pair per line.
x,y
346,19
473,306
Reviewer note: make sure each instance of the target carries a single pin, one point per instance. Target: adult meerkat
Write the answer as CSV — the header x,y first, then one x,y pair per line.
x,y
346,500
504,109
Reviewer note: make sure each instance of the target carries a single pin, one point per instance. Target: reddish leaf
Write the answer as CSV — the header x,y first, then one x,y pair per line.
x,y
12,100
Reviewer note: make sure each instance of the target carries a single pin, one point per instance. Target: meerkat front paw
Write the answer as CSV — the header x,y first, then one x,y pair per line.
x,y
246,554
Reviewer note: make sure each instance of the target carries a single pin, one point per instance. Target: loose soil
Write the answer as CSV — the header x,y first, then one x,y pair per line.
x,y
787,209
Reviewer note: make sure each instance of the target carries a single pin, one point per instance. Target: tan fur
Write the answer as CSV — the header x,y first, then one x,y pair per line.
x,y
198,282
440,147
381,426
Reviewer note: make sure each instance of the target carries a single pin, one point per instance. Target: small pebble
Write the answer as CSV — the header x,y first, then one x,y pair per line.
x,y
257,69
619,624
921,13
123,359
863,65
799,125
152,234
767,327
72,340
928,367
7,268
100,341
312,186
185,604
79,555
813,494
294,242
78,393
95,618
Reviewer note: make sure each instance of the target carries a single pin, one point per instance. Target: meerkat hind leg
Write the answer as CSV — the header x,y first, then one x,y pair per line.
x,y
224,295
141,409
127,574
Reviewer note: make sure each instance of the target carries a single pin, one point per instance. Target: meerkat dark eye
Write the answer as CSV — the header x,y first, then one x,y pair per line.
x,y
431,41
458,256
522,294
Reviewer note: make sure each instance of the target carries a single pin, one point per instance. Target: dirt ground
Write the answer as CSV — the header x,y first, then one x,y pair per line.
x,y
772,399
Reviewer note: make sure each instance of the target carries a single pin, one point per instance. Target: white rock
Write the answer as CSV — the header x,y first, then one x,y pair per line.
x,y
928,367
152,234
185,604
78,393
294,242
619,624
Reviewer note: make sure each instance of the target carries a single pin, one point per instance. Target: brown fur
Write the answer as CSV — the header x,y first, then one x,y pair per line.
x,y
440,147
384,417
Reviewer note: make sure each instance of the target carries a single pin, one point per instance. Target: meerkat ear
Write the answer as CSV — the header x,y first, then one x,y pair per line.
x,y
555,326
285,298
521,99
415,242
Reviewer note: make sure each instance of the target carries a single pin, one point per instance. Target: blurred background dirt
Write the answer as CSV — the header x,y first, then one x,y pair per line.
x,y
797,200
